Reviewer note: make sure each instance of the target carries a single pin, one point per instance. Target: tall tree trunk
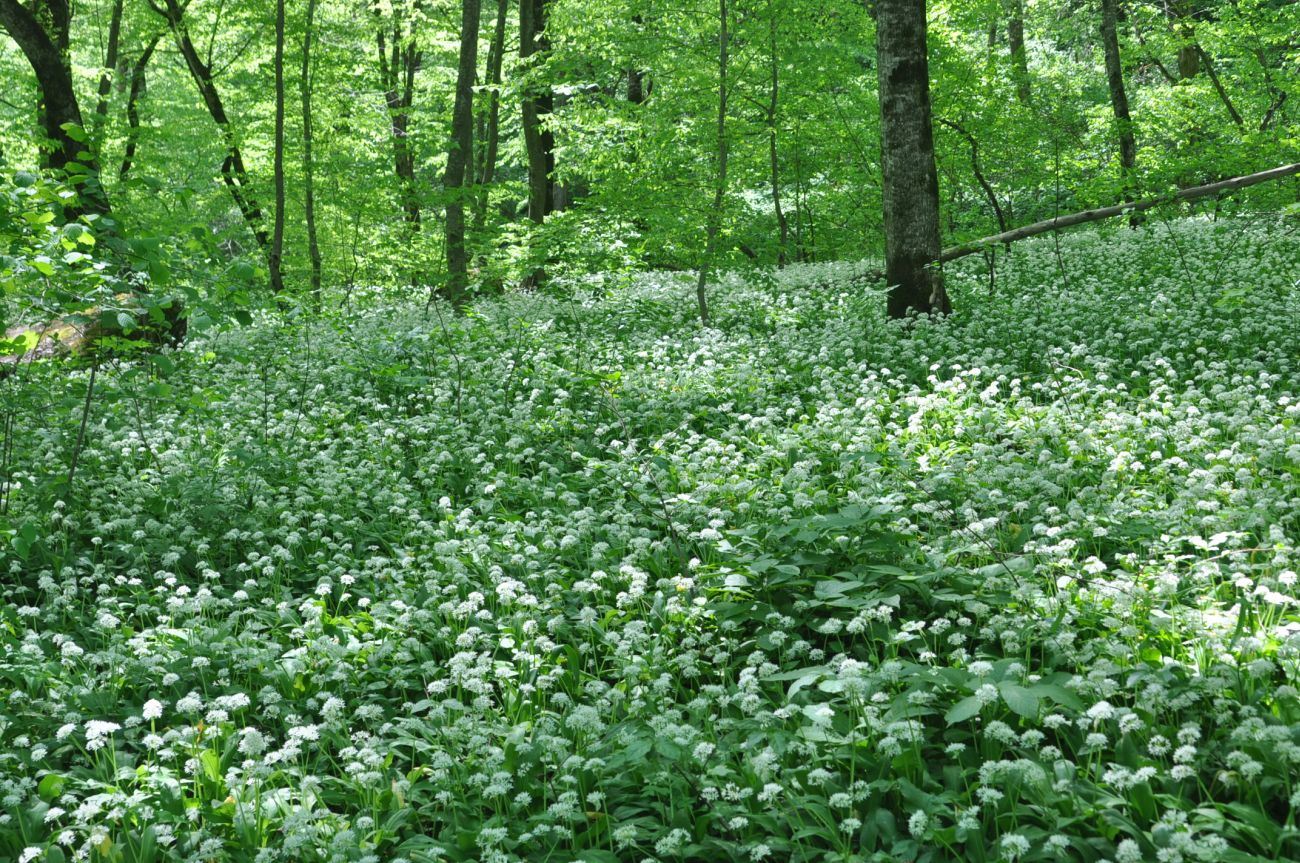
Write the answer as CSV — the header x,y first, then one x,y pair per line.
x,y
637,86
233,172
909,179
110,69
489,137
397,67
459,155
1180,23
774,163
538,140
1118,95
47,54
133,108
720,181
308,165
1016,42
276,258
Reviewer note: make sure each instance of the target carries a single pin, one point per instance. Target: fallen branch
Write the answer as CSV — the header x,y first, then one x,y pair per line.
x,y
1069,221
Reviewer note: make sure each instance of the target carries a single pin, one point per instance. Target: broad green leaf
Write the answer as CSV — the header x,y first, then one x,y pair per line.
x,y
962,710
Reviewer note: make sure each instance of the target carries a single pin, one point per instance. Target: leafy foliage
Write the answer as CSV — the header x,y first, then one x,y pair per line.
x,y
552,581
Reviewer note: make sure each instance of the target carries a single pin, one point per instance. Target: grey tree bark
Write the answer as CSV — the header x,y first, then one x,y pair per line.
x,y
909,179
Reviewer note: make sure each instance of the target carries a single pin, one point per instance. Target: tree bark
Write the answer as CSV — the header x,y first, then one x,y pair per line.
x,y
783,225
489,138
1118,95
308,164
110,69
233,172
1218,87
909,179
458,154
714,226
397,67
1190,194
58,100
276,257
538,140
133,108
1019,57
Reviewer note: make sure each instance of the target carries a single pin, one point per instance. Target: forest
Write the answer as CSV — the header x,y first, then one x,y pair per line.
x,y
530,431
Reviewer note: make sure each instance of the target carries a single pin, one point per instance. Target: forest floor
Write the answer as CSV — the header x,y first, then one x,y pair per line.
x,y
577,580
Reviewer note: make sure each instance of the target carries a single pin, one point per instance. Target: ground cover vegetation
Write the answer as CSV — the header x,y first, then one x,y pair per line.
x,y
756,430
553,581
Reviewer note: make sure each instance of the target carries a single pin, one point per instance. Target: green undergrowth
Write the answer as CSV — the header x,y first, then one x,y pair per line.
x,y
573,579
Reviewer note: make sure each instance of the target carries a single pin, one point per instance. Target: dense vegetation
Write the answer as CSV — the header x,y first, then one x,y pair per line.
x,y
557,581
559,430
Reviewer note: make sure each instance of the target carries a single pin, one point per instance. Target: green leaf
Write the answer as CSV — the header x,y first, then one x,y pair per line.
x,y
963,710
211,762
159,272
51,786
75,132
1021,700
1059,694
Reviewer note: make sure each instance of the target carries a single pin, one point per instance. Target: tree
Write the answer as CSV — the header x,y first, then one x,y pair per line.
x,y
488,139
110,69
59,111
1118,95
233,172
398,63
308,163
458,153
720,178
133,108
774,162
539,140
909,179
276,257
1016,43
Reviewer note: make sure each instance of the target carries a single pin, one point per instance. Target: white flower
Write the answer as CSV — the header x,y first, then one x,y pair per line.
x,y
1101,711
96,729
153,709
1013,845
